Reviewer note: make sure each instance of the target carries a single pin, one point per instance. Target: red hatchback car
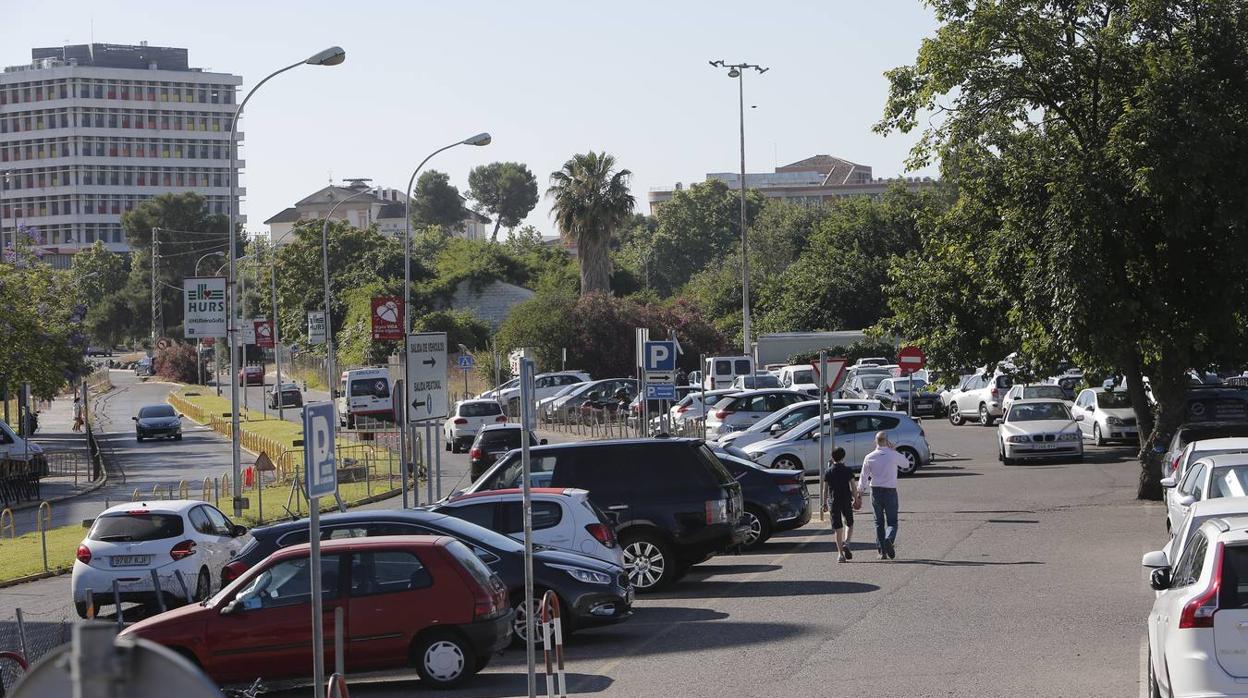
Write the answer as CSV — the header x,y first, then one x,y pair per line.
x,y
251,375
407,600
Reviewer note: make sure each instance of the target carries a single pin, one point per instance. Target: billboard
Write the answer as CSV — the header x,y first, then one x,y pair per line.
x,y
316,327
264,333
387,319
204,306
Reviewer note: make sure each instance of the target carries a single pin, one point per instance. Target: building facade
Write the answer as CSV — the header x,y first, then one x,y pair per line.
x,y
380,206
812,181
88,131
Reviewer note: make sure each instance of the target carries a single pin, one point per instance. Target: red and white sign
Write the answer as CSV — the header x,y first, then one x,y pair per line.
x,y
911,359
387,319
264,334
836,372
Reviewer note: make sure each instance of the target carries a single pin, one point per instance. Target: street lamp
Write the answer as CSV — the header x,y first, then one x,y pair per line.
x,y
206,256
330,56
329,322
737,71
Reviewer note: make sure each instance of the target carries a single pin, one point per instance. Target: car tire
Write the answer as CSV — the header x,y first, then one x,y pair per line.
x,y
955,415
518,623
1154,690
138,438
648,561
1097,439
912,458
788,462
985,417
482,662
450,446
443,659
760,528
177,437
81,608
203,585
1002,458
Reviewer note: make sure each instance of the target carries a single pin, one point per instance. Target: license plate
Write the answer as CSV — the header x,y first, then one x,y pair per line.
x,y
130,560
1045,447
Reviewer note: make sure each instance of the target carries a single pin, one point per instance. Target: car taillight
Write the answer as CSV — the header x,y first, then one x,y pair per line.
x,y
716,511
184,549
501,419
722,414
474,452
1174,465
602,533
460,420
233,571
84,555
996,393
790,484
681,409
1198,613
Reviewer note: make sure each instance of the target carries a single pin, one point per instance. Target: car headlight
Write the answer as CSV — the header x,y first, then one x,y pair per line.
x,y
583,575
1113,421
1018,439
757,455
1068,436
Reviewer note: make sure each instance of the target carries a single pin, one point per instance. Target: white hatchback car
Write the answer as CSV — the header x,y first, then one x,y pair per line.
x,y
466,419
1105,415
740,411
798,448
1197,644
177,538
783,420
562,518
1038,429
1197,514
1212,477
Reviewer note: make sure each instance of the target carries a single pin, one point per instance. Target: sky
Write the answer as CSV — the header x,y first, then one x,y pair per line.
x,y
547,79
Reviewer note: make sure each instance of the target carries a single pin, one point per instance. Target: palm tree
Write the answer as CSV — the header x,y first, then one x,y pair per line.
x,y
591,201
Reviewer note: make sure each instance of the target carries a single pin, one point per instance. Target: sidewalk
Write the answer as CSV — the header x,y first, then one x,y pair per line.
x,y
68,454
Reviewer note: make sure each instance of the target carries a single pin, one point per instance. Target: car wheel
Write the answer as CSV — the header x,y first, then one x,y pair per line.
x,y
203,587
482,662
81,608
760,528
787,462
955,415
177,437
912,460
519,620
443,659
450,445
1002,457
138,437
648,561
985,419
1096,435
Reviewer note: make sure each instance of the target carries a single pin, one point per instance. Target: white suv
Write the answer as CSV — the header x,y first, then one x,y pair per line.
x,y
1196,628
982,396
544,385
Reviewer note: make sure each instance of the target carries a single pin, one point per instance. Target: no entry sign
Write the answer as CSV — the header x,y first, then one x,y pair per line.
x,y
911,359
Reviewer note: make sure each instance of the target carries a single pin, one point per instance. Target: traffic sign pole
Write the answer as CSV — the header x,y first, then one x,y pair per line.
x,y
526,498
320,478
823,456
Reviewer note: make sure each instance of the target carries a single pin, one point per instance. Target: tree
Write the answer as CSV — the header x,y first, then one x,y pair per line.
x,y
591,200
41,335
436,201
97,272
506,190
1096,149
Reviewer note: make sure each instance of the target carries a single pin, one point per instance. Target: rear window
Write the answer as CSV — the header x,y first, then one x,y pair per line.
x,y
872,382
760,382
743,366
503,438
370,387
1233,592
1043,391
157,411
477,569
133,528
1229,482
803,377
713,464
1005,382
1113,401
480,409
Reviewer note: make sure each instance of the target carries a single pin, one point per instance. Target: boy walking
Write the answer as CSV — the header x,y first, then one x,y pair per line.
x,y
839,483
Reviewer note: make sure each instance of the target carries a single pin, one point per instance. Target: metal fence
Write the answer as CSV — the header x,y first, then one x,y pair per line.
x,y
31,635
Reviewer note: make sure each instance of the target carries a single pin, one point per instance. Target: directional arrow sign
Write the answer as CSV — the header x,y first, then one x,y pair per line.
x,y
426,375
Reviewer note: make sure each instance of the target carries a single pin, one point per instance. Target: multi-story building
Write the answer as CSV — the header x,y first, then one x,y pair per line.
x,y
88,131
811,181
381,207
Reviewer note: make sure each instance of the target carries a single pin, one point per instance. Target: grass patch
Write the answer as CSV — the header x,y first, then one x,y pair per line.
x,y
23,556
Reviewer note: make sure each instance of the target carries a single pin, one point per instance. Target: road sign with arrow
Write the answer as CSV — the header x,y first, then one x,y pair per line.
x,y
426,373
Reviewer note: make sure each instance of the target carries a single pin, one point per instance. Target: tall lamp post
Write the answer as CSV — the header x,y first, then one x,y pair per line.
x,y
737,70
330,56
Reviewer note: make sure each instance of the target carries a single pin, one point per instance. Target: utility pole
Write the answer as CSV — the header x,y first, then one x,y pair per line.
x,y
277,341
155,295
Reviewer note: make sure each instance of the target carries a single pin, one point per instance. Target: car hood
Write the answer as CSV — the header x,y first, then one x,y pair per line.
x,y
159,421
181,621
561,557
1039,426
1119,412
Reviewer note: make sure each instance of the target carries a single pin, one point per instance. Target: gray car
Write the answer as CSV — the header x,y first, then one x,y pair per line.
x,y
798,448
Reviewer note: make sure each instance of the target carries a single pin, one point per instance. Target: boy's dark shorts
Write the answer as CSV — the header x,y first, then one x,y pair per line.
x,y
842,514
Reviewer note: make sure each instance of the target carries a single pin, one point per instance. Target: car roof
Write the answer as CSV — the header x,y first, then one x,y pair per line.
x,y
1039,401
1225,460
1219,443
364,543
1221,506
168,506
499,427
614,442
1229,529
767,391
478,399
571,492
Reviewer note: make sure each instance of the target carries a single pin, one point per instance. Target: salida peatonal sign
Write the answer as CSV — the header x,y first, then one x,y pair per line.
x,y
204,306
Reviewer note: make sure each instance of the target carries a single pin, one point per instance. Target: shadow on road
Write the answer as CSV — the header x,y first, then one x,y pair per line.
x,y
705,588
955,563
928,473
715,570
484,685
672,614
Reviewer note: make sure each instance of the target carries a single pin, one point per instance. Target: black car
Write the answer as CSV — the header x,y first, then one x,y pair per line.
x,y
494,440
157,421
290,396
1216,403
591,591
672,501
775,500
896,394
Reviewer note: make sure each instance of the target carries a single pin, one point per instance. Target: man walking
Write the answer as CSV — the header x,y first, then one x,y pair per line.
x,y
879,469
839,480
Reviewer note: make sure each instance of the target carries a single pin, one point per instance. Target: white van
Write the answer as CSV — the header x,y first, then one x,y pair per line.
x,y
721,371
14,447
799,377
365,392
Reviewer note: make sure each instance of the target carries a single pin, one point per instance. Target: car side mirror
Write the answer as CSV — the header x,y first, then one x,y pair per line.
x,y
1078,418
1186,500
542,442
1159,580
181,416
1168,482
775,428
238,530
135,418
1155,560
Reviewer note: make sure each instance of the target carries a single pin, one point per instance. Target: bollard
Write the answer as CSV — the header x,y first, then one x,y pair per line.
x,y
216,492
43,520
156,491
121,618
90,605
259,497
552,633
136,496
207,490
160,596
21,632
7,515
177,574
337,687
339,664
184,490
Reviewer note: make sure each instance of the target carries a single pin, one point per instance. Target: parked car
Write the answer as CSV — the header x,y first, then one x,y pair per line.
x,y
782,420
775,500
799,377
1197,514
981,397
798,448
157,422
862,385
493,393
872,361
1030,391
950,393
692,405
422,600
544,385
99,351
756,382
288,394
543,405
672,502
1217,403
251,375
1207,447
591,592
14,447
569,406
895,394
143,367
1039,429
739,411
1105,415
1209,477
492,442
364,393
1068,382
1172,460
563,518
467,418
175,537
1196,643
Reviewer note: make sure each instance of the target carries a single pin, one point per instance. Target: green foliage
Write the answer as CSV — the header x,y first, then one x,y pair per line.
x,y
507,190
355,345
97,273
591,202
435,201
460,326
861,349
41,334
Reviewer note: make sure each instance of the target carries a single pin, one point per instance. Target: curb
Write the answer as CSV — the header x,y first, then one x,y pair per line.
x,y
34,505
35,577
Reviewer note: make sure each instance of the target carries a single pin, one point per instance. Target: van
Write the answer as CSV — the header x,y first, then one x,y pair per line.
x,y
720,371
16,448
365,392
799,377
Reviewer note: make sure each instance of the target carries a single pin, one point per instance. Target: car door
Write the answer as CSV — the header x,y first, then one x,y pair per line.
x,y
1079,409
849,431
610,474
229,543
390,597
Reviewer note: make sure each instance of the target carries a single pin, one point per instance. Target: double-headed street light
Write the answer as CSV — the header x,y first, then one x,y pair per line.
x,y
330,382
737,71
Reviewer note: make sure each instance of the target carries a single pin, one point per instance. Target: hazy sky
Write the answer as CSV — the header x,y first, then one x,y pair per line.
x,y
547,79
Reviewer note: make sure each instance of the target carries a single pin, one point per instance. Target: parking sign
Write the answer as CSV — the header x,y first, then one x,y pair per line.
x,y
319,468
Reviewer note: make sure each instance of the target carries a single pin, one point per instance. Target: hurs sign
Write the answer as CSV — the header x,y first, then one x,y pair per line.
x,y
204,309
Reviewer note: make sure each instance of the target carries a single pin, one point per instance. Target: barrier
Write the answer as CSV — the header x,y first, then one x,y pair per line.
x,y
207,491
136,495
552,633
184,491
43,521
7,515
337,686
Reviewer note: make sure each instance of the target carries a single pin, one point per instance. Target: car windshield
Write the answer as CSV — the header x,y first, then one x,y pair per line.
x,y
906,383
1037,411
480,409
465,530
1230,481
872,382
157,411
805,376
759,381
1111,401
1044,391
137,527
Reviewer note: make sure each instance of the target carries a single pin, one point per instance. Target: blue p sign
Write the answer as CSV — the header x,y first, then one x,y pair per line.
x,y
659,356
320,469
